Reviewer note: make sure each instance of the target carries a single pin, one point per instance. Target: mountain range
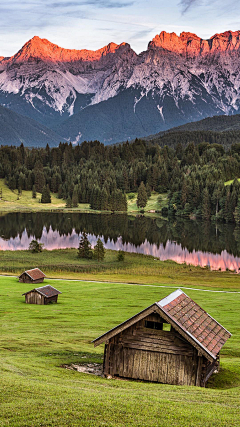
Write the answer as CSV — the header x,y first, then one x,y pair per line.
x,y
114,94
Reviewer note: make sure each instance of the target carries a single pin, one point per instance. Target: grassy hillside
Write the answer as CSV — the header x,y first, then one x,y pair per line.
x,y
37,340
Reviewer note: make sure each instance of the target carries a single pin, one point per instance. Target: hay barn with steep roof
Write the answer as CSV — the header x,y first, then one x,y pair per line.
x,y
44,295
174,341
32,276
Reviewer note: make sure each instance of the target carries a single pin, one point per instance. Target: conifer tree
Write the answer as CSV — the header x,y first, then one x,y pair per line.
x,y
46,196
84,248
142,196
75,197
148,190
206,209
34,193
237,213
68,202
99,251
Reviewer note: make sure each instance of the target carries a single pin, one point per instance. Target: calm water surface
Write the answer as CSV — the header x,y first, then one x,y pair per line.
x,y
182,241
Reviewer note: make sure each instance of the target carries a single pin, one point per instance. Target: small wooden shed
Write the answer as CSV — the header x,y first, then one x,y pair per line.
x,y
32,276
45,295
174,341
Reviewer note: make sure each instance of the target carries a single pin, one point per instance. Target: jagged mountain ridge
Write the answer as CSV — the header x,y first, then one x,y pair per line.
x,y
113,94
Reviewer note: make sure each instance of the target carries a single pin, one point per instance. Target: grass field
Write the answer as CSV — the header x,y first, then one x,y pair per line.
x,y
11,202
152,204
136,268
36,340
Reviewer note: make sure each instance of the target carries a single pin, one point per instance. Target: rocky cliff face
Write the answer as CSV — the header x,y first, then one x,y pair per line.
x,y
113,94
191,45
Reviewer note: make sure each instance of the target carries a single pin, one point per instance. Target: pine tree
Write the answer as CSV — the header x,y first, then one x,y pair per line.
x,y
84,248
68,202
99,251
237,213
46,196
148,190
206,209
142,196
75,197
34,193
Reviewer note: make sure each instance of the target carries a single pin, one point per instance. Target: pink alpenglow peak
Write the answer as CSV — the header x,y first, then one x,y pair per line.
x,y
189,43
176,80
42,49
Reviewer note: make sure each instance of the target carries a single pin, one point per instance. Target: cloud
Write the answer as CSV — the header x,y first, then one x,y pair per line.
x,y
187,4
141,34
106,4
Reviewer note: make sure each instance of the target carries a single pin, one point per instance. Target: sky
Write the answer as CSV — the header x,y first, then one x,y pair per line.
x,y
92,24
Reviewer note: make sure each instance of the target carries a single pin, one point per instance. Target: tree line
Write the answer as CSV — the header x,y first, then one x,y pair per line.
x,y
193,175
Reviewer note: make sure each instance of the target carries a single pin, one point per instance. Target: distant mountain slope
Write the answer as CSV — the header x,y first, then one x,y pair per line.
x,y
16,129
113,94
215,124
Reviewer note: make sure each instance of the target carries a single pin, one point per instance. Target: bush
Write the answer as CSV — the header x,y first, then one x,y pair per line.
x,y
35,246
120,255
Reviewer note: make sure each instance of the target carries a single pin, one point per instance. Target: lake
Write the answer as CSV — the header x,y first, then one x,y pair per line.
x,y
183,241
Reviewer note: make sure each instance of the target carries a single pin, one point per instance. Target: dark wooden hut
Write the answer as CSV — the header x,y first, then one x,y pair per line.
x,y
45,295
32,276
174,341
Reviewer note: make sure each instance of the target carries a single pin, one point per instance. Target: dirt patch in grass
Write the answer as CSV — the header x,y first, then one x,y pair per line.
x,y
87,368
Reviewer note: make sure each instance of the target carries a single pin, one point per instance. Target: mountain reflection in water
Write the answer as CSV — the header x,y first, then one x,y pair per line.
x,y
182,241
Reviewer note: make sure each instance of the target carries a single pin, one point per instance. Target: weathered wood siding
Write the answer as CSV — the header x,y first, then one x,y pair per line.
x,y
26,279
34,298
153,355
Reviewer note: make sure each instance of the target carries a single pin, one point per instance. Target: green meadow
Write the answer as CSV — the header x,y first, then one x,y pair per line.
x,y
11,201
136,268
35,341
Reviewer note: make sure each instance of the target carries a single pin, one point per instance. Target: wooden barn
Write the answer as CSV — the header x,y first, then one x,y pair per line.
x,y
45,295
174,341
32,276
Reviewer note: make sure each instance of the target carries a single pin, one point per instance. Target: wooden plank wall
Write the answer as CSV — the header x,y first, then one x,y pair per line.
x,y
152,355
34,298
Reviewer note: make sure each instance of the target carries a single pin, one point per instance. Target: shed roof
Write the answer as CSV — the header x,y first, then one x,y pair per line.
x,y
35,274
47,291
191,321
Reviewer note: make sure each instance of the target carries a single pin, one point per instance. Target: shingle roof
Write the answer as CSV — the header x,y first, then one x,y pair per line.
x,y
195,321
35,274
47,291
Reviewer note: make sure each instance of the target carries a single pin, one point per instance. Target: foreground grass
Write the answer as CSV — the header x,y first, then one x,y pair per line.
x,y
136,268
36,340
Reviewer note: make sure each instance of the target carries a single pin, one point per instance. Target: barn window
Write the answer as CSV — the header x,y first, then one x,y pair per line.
x,y
153,325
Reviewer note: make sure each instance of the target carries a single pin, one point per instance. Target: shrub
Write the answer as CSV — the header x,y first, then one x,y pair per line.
x,y
35,246
120,255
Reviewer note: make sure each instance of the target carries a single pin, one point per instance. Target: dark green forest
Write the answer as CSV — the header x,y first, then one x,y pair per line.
x,y
193,172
